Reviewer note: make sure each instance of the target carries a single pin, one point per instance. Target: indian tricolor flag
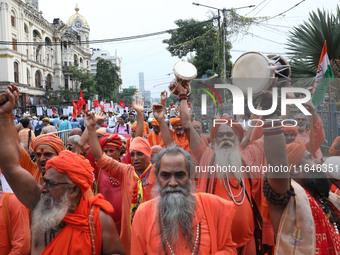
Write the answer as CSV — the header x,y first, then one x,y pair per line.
x,y
323,78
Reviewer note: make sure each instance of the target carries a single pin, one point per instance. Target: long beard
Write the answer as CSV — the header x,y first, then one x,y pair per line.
x,y
229,154
176,212
44,219
317,185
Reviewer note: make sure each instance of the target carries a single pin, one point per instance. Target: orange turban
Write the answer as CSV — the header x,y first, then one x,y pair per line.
x,y
142,145
101,131
237,128
75,166
174,121
134,126
48,139
197,124
290,128
154,122
295,151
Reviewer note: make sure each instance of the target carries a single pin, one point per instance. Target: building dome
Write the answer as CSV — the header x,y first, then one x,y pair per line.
x,y
78,17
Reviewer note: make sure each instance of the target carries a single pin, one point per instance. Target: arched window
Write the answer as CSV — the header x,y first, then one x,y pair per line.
x,y
13,21
36,34
16,72
48,41
49,82
37,79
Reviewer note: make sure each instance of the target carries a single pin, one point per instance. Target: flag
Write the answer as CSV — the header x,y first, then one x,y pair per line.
x,y
75,109
81,100
95,103
324,77
121,104
54,111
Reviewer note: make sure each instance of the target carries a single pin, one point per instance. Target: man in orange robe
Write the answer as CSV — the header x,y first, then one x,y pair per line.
x,y
14,219
137,179
64,219
155,137
45,147
230,185
179,221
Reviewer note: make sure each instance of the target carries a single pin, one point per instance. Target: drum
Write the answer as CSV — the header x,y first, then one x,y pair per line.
x,y
184,73
253,69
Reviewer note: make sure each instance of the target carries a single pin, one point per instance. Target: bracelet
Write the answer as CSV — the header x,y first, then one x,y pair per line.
x,y
274,197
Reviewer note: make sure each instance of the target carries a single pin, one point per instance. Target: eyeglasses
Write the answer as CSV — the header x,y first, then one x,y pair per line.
x,y
50,184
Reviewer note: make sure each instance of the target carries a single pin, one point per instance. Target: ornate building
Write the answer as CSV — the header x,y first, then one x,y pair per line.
x,y
36,55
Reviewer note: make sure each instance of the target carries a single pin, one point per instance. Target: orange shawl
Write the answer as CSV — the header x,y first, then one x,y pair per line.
x,y
75,237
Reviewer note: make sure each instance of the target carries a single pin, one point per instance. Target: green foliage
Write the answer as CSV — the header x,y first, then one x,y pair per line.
x,y
204,40
107,79
86,80
127,96
306,42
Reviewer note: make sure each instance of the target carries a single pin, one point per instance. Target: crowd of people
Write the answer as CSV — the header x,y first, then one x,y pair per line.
x,y
114,187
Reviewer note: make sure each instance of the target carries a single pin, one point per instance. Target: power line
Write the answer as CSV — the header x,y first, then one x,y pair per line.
x,y
285,11
255,7
104,40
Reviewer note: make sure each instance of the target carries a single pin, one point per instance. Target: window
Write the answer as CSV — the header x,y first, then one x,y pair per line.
x,y
49,81
65,63
13,21
16,72
28,77
37,79
25,28
66,82
14,44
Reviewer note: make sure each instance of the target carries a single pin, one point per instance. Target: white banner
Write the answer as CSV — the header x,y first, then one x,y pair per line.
x,y
106,107
49,112
65,111
39,111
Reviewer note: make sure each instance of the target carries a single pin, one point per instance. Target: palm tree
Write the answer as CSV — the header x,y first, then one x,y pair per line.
x,y
305,45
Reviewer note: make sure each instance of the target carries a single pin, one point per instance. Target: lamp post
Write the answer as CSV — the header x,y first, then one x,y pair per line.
x,y
224,29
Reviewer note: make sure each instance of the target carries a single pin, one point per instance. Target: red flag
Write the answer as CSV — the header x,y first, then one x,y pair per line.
x,y
95,103
54,111
121,104
101,107
75,109
81,100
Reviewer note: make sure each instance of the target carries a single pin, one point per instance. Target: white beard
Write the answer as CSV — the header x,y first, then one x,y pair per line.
x,y
44,219
229,156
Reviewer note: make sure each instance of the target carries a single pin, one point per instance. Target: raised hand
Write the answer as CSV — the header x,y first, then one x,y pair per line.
x,y
310,107
177,111
91,120
138,106
164,96
100,116
8,100
158,111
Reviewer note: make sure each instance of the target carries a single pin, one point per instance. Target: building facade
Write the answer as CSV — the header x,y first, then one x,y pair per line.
x,y
37,54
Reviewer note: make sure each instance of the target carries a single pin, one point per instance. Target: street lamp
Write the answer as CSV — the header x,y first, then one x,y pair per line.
x,y
224,25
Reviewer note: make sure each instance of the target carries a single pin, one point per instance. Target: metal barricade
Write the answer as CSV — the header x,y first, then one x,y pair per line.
x,y
63,135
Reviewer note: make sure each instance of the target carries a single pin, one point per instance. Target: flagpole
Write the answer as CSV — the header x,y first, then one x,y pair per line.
x,y
330,106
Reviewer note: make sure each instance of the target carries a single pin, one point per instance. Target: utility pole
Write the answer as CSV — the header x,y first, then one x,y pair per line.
x,y
224,30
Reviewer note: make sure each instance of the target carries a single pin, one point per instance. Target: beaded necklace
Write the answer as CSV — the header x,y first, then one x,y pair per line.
x,y
330,213
239,198
196,244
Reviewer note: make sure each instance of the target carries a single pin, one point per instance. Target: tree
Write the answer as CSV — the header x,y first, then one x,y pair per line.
x,y
204,40
107,79
127,96
86,80
306,41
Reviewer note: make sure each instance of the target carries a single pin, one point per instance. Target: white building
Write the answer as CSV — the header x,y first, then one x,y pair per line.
x,y
37,53
98,53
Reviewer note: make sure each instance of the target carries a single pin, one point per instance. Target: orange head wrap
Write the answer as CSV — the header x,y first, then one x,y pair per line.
x,y
134,126
113,141
48,139
101,131
197,124
295,151
142,145
75,166
290,128
237,128
154,122
174,121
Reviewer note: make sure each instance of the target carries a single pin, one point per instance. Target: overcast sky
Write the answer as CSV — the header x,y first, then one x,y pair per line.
x,y
114,19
